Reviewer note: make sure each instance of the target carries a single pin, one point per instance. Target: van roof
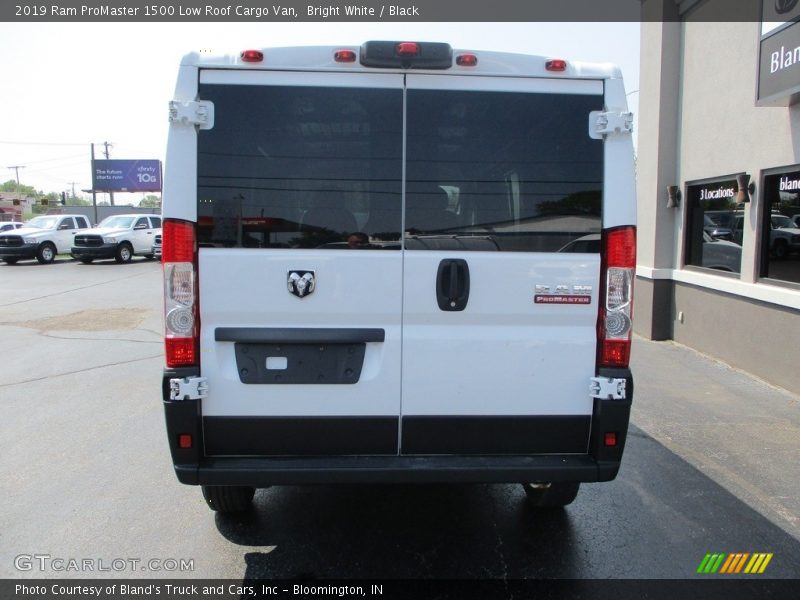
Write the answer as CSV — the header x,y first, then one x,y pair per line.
x,y
321,58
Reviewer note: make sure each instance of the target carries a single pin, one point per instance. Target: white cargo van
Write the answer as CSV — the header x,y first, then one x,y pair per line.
x,y
363,271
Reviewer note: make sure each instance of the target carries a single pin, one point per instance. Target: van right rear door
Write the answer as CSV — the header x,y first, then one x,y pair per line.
x,y
503,208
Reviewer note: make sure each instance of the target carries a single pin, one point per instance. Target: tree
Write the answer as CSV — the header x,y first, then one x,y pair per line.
x,y
150,201
13,186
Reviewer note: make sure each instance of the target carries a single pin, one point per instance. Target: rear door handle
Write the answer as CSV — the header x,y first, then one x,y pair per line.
x,y
452,284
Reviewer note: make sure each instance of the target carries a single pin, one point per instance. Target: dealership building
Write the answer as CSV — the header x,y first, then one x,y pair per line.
x,y
718,168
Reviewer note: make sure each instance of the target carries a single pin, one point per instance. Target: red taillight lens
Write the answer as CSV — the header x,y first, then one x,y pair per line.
x,y
181,322
252,56
621,247
556,64
177,241
344,56
466,60
185,441
407,49
610,439
614,322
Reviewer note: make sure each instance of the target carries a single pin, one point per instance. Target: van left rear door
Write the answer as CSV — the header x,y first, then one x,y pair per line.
x,y
299,196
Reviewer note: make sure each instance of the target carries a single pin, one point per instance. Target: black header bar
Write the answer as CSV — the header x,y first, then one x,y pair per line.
x,y
414,11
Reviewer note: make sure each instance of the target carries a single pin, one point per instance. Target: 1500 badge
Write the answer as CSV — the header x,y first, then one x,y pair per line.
x,y
562,294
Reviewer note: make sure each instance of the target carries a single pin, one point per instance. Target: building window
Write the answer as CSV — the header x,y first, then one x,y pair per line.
x,y
780,233
714,226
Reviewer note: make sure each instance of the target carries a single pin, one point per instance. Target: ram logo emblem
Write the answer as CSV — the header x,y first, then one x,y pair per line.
x,y
301,283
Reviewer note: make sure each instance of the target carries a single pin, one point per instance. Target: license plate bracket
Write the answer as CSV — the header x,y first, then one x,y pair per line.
x,y
321,364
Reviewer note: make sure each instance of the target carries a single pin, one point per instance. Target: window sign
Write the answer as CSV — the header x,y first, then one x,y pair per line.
x,y
780,233
714,226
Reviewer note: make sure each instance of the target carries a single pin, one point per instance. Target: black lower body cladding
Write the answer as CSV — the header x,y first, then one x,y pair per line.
x,y
265,451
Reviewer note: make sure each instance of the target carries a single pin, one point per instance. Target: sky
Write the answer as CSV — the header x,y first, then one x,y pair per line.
x,y
64,86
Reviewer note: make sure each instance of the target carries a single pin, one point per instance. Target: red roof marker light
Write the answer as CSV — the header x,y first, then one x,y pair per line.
x,y
466,60
556,64
252,56
344,56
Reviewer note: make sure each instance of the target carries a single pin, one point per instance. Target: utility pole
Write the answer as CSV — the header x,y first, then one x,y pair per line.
x,y
17,168
72,183
94,192
107,145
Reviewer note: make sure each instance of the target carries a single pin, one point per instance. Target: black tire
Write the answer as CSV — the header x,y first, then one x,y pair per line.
x,y
228,498
10,261
551,495
86,261
780,249
46,253
124,253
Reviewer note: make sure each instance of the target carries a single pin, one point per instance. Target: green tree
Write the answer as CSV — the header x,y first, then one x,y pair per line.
x,y
13,186
150,201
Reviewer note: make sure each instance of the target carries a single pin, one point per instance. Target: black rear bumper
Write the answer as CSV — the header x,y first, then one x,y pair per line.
x,y
596,461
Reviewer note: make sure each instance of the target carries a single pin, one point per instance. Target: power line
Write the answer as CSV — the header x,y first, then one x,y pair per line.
x,y
42,143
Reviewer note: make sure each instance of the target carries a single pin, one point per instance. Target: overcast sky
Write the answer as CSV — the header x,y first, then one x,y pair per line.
x,y
63,86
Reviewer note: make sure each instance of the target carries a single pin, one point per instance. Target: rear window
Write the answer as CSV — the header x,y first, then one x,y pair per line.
x,y
502,171
300,167
318,167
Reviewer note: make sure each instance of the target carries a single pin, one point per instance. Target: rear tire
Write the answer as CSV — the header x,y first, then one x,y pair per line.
x,y
46,253
228,498
551,495
10,261
124,253
780,249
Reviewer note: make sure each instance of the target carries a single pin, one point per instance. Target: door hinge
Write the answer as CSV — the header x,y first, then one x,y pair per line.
x,y
607,388
188,388
609,123
196,112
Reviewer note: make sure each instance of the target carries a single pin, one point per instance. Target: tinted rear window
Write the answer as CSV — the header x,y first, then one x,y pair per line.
x,y
300,167
503,171
317,167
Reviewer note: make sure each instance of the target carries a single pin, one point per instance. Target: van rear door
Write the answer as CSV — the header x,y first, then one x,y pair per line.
x,y
299,196
504,196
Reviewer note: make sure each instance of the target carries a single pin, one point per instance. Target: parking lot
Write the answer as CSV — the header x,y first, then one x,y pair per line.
x,y
712,465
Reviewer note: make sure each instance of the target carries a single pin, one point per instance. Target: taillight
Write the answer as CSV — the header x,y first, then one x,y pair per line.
x,y
181,323
614,323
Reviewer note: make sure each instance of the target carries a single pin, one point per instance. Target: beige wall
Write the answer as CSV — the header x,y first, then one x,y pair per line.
x,y
698,120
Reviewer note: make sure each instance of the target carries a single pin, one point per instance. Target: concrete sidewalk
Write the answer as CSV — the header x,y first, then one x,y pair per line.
x,y
736,429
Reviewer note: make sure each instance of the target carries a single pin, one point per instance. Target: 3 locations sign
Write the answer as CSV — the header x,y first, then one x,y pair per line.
x,y
126,175
779,53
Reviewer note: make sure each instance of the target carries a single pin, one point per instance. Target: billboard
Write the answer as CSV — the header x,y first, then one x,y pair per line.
x,y
126,175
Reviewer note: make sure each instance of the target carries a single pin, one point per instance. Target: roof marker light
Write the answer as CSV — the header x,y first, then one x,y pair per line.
x,y
466,60
407,49
344,56
556,64
252,56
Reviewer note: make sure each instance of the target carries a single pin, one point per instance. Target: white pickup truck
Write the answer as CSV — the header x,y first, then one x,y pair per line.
x,y
42,238
119,237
